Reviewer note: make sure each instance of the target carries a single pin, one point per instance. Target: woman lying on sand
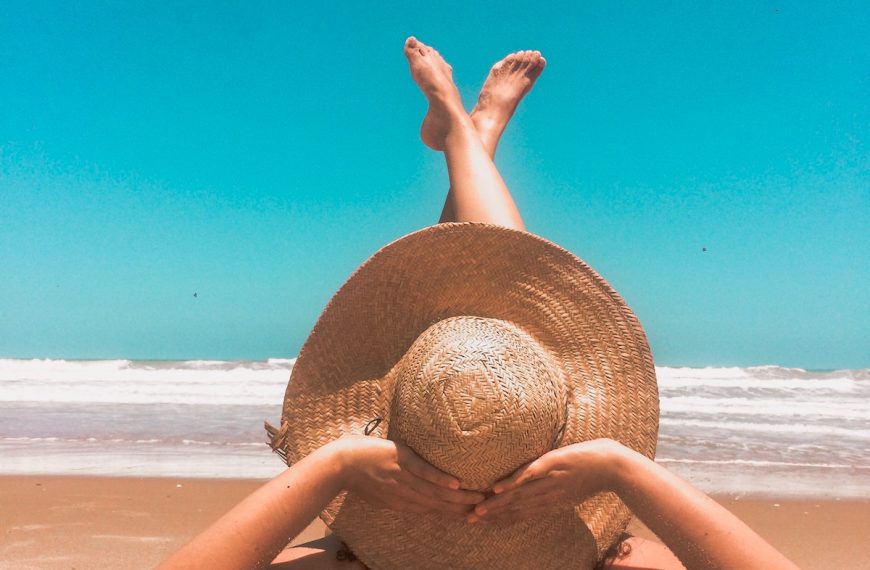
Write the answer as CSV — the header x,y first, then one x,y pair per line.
x,y
521,380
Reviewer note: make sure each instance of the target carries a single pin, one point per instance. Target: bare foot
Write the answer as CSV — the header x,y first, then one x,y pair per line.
x,y
508,81
435,78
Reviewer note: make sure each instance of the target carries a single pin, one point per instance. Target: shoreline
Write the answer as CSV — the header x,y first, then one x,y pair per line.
x,y
83,521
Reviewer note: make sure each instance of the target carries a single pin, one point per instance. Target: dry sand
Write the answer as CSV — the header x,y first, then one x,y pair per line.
x,y
112,522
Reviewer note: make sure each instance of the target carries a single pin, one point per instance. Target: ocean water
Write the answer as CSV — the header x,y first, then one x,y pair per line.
x,y
738,431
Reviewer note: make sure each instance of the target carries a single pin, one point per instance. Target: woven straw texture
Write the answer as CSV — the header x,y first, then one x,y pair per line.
x,y
543,353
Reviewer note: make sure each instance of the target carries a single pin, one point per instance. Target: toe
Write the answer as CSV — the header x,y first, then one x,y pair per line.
x,y
413,48
413,43
503,61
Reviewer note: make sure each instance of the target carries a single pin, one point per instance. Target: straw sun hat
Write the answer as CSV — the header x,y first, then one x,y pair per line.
x,y
481,348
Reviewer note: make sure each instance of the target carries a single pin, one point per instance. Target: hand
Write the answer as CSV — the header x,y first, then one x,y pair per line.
x,y
390,475
567,475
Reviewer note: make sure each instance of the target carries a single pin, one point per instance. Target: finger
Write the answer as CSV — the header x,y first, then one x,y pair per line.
x,y
435,492
506,514
530,494
530,505
534,493
454,508
422,503
395,498
403,498
394,501
416,465
432,503
525,473
494,502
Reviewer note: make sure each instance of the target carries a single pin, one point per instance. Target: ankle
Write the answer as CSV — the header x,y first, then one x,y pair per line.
x,y
488,129
456,116
460,132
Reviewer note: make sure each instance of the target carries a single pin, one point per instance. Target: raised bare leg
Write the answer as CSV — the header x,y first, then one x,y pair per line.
x,y
507,83
479,192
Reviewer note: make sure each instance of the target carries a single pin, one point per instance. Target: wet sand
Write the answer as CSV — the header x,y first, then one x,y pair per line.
x,y
60,522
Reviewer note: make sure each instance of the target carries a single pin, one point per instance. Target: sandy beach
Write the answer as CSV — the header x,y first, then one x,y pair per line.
x,y
54,522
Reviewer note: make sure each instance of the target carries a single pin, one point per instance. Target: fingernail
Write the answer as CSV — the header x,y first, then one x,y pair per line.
x,y
480,510
497,489
454,484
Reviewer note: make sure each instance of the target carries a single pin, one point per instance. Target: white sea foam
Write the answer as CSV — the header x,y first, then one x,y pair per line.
x,y
147,382
729,428
263,382
767,377
113,370
121,440
768,428
759,463
767,407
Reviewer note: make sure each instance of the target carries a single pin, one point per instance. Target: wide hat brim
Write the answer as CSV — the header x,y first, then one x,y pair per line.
x,y
338,384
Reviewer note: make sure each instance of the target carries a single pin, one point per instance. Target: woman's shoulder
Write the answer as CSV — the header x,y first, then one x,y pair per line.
x,y
642,553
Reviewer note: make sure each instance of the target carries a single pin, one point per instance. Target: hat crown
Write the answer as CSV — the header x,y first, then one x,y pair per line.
x,y
478,398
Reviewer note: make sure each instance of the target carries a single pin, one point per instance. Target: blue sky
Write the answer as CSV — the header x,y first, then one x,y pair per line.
x,y
256,153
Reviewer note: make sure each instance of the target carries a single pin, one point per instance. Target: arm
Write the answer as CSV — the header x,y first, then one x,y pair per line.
x,y
701,533
383,472
258,528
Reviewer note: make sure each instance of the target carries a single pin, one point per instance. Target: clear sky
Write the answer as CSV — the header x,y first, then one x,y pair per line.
x,y
255,153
